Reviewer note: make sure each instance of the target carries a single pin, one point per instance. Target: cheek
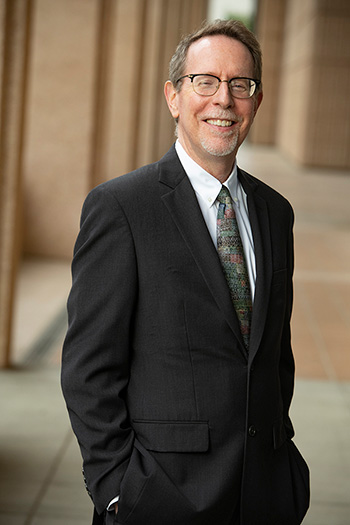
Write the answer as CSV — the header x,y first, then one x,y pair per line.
x,y
248,116
193,107
188,117
184,112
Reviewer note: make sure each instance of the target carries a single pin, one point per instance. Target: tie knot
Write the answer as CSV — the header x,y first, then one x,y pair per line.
x,y
224,196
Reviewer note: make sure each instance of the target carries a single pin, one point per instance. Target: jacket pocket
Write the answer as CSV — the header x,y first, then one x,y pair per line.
x,y
173,436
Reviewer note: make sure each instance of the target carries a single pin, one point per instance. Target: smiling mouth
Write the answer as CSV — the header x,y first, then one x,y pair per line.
x,y
221,123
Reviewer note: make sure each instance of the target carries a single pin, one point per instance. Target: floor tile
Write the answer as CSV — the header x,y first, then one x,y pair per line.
x,y
322,513
321,416
12,518
49,519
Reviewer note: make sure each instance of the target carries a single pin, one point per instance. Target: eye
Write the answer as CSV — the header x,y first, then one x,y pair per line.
x,y
205,81
240,84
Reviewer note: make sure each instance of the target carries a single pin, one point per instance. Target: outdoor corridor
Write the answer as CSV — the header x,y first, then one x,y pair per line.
x,y
40,465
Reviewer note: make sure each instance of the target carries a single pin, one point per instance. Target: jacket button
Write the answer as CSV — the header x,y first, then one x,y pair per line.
x,y
252,431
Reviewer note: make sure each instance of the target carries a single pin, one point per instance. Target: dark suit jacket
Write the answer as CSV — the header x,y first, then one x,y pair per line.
x,y
168,409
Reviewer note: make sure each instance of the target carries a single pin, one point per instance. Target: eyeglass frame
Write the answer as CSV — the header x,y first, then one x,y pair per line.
x,y
192,76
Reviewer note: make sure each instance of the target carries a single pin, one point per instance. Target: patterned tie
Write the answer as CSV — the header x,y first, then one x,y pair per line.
x,y
230,250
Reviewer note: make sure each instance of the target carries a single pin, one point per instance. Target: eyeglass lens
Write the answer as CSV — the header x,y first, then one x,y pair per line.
x,y
207,85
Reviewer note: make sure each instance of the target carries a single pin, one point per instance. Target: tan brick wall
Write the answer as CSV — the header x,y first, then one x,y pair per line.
x,y
81,85
15,31
96,106
270,32
314,112
59,131
306,76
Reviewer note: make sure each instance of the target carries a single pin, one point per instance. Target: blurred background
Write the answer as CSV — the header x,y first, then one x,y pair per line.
x,y
81,101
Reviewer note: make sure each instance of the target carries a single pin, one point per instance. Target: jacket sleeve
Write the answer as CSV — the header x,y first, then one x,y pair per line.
x,y
287,366
95,362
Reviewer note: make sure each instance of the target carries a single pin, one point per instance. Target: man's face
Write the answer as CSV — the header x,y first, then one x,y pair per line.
x,y
215,126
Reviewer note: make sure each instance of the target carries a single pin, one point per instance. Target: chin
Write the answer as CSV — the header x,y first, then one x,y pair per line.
x,y
220,150
221,146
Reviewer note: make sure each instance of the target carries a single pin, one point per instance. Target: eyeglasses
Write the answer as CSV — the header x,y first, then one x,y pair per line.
x,y
207,85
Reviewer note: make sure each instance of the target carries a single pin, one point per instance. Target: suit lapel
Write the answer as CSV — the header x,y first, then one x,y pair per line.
x,y
181,202
259,220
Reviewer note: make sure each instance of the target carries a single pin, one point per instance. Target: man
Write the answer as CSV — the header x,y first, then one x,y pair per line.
x,y
177,366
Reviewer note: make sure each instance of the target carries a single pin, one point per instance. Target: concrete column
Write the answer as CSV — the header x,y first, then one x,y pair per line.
x,y
95,111
15,30
57,161
138,126
104,40
170,33
314,112
124,82
96,107
177,17
270,32
127,86
198,13
151,80
181,17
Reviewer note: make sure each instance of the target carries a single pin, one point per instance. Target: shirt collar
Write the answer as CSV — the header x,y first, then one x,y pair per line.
x,y
204,184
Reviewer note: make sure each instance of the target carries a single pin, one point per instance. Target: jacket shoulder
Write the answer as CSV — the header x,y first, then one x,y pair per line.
x,y
140,181
269,194
139,177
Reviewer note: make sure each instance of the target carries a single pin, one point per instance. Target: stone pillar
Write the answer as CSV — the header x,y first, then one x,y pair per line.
x,y
306,77
95,110
175,18
138,128
179,17
170,33
61,123
96,107
314,111
15,29
123,87
105,27
152,75
270,32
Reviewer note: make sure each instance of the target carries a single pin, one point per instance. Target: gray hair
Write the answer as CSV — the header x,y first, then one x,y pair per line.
x,y
231,28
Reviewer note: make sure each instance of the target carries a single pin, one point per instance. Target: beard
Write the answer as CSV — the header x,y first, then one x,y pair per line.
x,y
214,143
224,147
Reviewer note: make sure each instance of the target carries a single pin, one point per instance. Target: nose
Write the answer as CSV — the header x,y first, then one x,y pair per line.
x,y
223,96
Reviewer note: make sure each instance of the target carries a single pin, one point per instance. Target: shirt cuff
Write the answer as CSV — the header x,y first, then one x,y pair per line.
x,y
112,503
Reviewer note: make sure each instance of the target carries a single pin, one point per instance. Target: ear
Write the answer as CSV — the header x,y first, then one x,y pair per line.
x,y
171,97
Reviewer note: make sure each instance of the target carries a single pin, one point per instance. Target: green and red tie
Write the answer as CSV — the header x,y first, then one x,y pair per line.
x,y
231,254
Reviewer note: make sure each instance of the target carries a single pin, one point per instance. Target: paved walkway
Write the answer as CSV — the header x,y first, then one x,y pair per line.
x,y
40,479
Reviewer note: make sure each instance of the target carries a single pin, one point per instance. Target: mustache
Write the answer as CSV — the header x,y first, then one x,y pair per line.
x,y
222,116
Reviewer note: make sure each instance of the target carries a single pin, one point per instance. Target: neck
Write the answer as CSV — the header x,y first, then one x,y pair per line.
x,y
221,168
218,167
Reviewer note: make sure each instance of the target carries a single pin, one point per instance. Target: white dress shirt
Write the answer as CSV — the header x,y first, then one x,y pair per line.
x,y
207,188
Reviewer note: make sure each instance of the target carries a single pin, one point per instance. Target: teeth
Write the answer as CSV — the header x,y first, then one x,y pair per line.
x,y
223,123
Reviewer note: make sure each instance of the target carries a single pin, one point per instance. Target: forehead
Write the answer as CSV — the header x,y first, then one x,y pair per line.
x,y
218,53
